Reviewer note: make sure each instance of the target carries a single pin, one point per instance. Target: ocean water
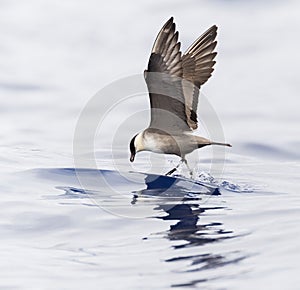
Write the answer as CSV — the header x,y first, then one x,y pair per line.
x,y
75,213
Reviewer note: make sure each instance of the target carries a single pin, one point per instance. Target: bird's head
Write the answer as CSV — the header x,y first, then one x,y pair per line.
x,y
135,146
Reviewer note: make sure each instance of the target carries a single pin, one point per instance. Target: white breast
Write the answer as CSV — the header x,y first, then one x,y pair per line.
x,y
153,143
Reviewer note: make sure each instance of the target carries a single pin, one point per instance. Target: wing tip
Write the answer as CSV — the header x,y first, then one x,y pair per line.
x,y
169,23
171,19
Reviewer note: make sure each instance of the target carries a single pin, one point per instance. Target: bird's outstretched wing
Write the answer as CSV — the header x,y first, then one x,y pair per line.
x,y
197,63
164,81
174,80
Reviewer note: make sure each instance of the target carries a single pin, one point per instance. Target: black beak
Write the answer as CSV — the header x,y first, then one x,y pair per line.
x,y
132,157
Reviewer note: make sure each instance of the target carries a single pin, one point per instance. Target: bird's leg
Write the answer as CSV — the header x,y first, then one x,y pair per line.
x,y
171,171
188,167
175,168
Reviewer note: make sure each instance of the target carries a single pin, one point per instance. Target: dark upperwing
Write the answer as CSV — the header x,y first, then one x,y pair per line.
x,y
174,80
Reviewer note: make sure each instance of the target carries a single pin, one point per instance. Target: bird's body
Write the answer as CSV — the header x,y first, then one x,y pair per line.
x,y
157,141
173,82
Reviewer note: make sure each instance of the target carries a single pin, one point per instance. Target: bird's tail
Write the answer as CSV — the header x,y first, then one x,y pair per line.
x,y
204,142
222,144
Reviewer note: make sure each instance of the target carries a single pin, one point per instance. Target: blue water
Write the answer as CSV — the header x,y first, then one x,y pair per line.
x,y
110,224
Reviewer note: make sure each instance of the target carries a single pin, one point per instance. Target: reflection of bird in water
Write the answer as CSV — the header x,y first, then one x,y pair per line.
x,y
174,81
175,188
187,229
187,213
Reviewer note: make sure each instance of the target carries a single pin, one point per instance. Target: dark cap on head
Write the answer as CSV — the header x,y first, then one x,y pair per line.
x,y
132,149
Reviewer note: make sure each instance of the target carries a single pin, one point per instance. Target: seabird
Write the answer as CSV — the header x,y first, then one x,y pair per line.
x,y
174,80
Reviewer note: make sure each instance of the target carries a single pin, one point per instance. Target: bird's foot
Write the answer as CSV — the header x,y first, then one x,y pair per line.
x,y
171,171
175,168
